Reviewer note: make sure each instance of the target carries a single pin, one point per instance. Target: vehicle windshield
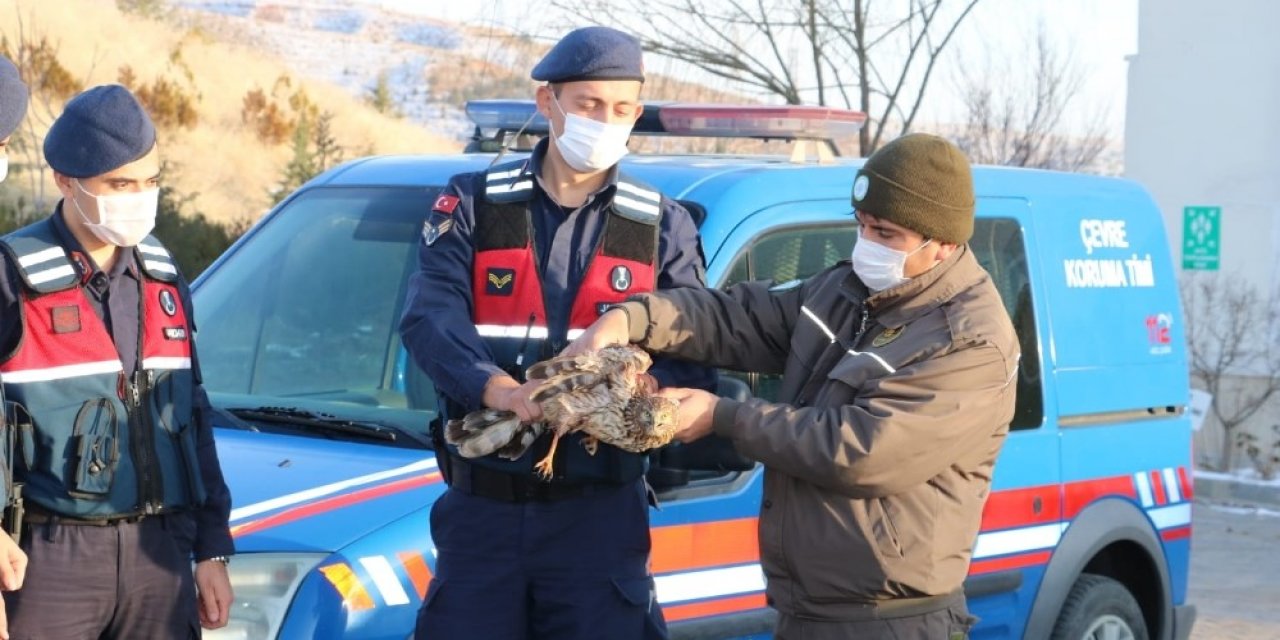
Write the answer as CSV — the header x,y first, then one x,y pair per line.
x,y
306,314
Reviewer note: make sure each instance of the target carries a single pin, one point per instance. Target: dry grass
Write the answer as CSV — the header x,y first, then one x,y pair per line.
x,y
220,161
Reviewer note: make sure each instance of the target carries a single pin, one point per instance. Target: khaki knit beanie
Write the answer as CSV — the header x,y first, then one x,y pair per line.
x,y
921,182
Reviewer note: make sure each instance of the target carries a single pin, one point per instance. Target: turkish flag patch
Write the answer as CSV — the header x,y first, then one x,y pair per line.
x,y
65,319
445,204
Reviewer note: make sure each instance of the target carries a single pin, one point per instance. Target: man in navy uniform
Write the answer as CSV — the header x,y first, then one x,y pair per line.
x,y
515,261
115,449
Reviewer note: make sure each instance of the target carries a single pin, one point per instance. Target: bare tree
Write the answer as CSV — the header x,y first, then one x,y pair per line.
x,y
832,52
1014,113
1221,313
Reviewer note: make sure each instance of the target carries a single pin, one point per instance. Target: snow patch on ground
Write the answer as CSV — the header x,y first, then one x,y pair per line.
x,y
1246,476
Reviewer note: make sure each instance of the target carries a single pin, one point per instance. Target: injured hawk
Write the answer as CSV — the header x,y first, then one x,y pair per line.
x,y
601,394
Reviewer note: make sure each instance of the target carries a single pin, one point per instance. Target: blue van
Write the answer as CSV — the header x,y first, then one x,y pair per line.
x,y
322,417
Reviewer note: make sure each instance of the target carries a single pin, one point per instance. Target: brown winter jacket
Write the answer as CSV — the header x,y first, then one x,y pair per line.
x,y
880,452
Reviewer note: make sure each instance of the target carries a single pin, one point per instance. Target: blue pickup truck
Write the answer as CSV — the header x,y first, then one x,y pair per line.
x,y
322,417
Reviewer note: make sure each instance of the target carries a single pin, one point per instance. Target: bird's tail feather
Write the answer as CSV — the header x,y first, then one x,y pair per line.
x,y
480,433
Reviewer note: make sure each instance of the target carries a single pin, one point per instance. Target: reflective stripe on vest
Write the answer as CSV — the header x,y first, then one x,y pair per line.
x,y
93,441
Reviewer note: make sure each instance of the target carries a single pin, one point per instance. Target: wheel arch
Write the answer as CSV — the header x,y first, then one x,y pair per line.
x,y
1114,538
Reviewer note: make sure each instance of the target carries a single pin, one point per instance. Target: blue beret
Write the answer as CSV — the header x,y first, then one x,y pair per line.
x,y
592,53
100,130
13,98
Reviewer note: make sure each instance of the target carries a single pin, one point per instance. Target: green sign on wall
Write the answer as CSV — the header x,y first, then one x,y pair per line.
x,y
1201,237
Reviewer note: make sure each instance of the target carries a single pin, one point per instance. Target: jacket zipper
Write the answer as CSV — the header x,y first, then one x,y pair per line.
x,y
149,493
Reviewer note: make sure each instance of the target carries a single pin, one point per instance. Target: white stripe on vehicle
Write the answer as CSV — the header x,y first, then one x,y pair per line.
x,y
832,337
1166,517
63,372
709,583
1171,485
384,577
1003,543
166,362
41,277
41,256
1144,488
328,489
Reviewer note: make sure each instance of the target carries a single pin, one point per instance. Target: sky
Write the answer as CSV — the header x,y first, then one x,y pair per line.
x,y
1096,34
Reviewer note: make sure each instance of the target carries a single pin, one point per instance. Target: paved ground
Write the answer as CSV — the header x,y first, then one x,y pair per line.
x,y
1235,572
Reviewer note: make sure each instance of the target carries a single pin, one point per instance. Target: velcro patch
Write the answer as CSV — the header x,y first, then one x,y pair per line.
x,y
175,333
65,319
445,204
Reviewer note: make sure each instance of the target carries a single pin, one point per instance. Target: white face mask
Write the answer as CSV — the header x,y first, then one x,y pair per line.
x,y
589,145
123,219
4,167
881,267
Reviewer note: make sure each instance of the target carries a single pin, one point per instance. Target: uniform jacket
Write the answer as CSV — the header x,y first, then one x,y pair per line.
x,y
439,326
893,408
106,429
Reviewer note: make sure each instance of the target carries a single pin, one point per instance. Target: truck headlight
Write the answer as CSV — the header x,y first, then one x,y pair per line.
x,y
264,585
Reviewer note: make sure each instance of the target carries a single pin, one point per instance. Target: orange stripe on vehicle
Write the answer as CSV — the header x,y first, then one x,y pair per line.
x,y
334,502
417,569
678,612
1013,508
1188,488
705,544
1078,495
978,567
348,585
1176,533
1157,487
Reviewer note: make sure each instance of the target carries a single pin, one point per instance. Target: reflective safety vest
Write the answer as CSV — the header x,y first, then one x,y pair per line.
x,y
95,441
508,304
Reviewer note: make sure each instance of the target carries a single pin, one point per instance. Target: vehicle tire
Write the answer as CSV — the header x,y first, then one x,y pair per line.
x,y
1099,608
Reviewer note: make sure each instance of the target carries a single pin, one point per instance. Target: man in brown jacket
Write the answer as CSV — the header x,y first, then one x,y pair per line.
x,y
897,393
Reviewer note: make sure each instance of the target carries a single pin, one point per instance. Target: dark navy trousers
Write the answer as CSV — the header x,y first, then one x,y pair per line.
x,y
125,581
569,569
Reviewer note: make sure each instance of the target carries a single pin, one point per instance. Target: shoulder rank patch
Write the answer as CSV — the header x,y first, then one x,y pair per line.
x,y
887,336
435,227
445,203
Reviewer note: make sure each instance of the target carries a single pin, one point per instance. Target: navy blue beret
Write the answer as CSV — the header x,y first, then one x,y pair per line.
x,y
100,130
13,98
592,53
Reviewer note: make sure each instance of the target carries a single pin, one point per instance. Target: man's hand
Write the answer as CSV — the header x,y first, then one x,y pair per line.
x,y
13,564
13,569
609,329
213,587
505,394
696,410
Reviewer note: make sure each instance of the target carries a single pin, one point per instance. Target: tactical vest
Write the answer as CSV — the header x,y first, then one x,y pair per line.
x,y
95,441
509,310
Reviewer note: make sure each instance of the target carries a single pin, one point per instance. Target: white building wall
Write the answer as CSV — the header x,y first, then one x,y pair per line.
x,y
1202,127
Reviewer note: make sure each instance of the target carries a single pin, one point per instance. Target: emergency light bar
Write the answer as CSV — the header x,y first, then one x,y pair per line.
x,y
788,122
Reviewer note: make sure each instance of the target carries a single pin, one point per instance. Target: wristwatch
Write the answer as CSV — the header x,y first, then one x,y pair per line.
x,y
223,559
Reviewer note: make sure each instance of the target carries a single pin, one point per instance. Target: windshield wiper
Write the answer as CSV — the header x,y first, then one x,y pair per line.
x,y
318,421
